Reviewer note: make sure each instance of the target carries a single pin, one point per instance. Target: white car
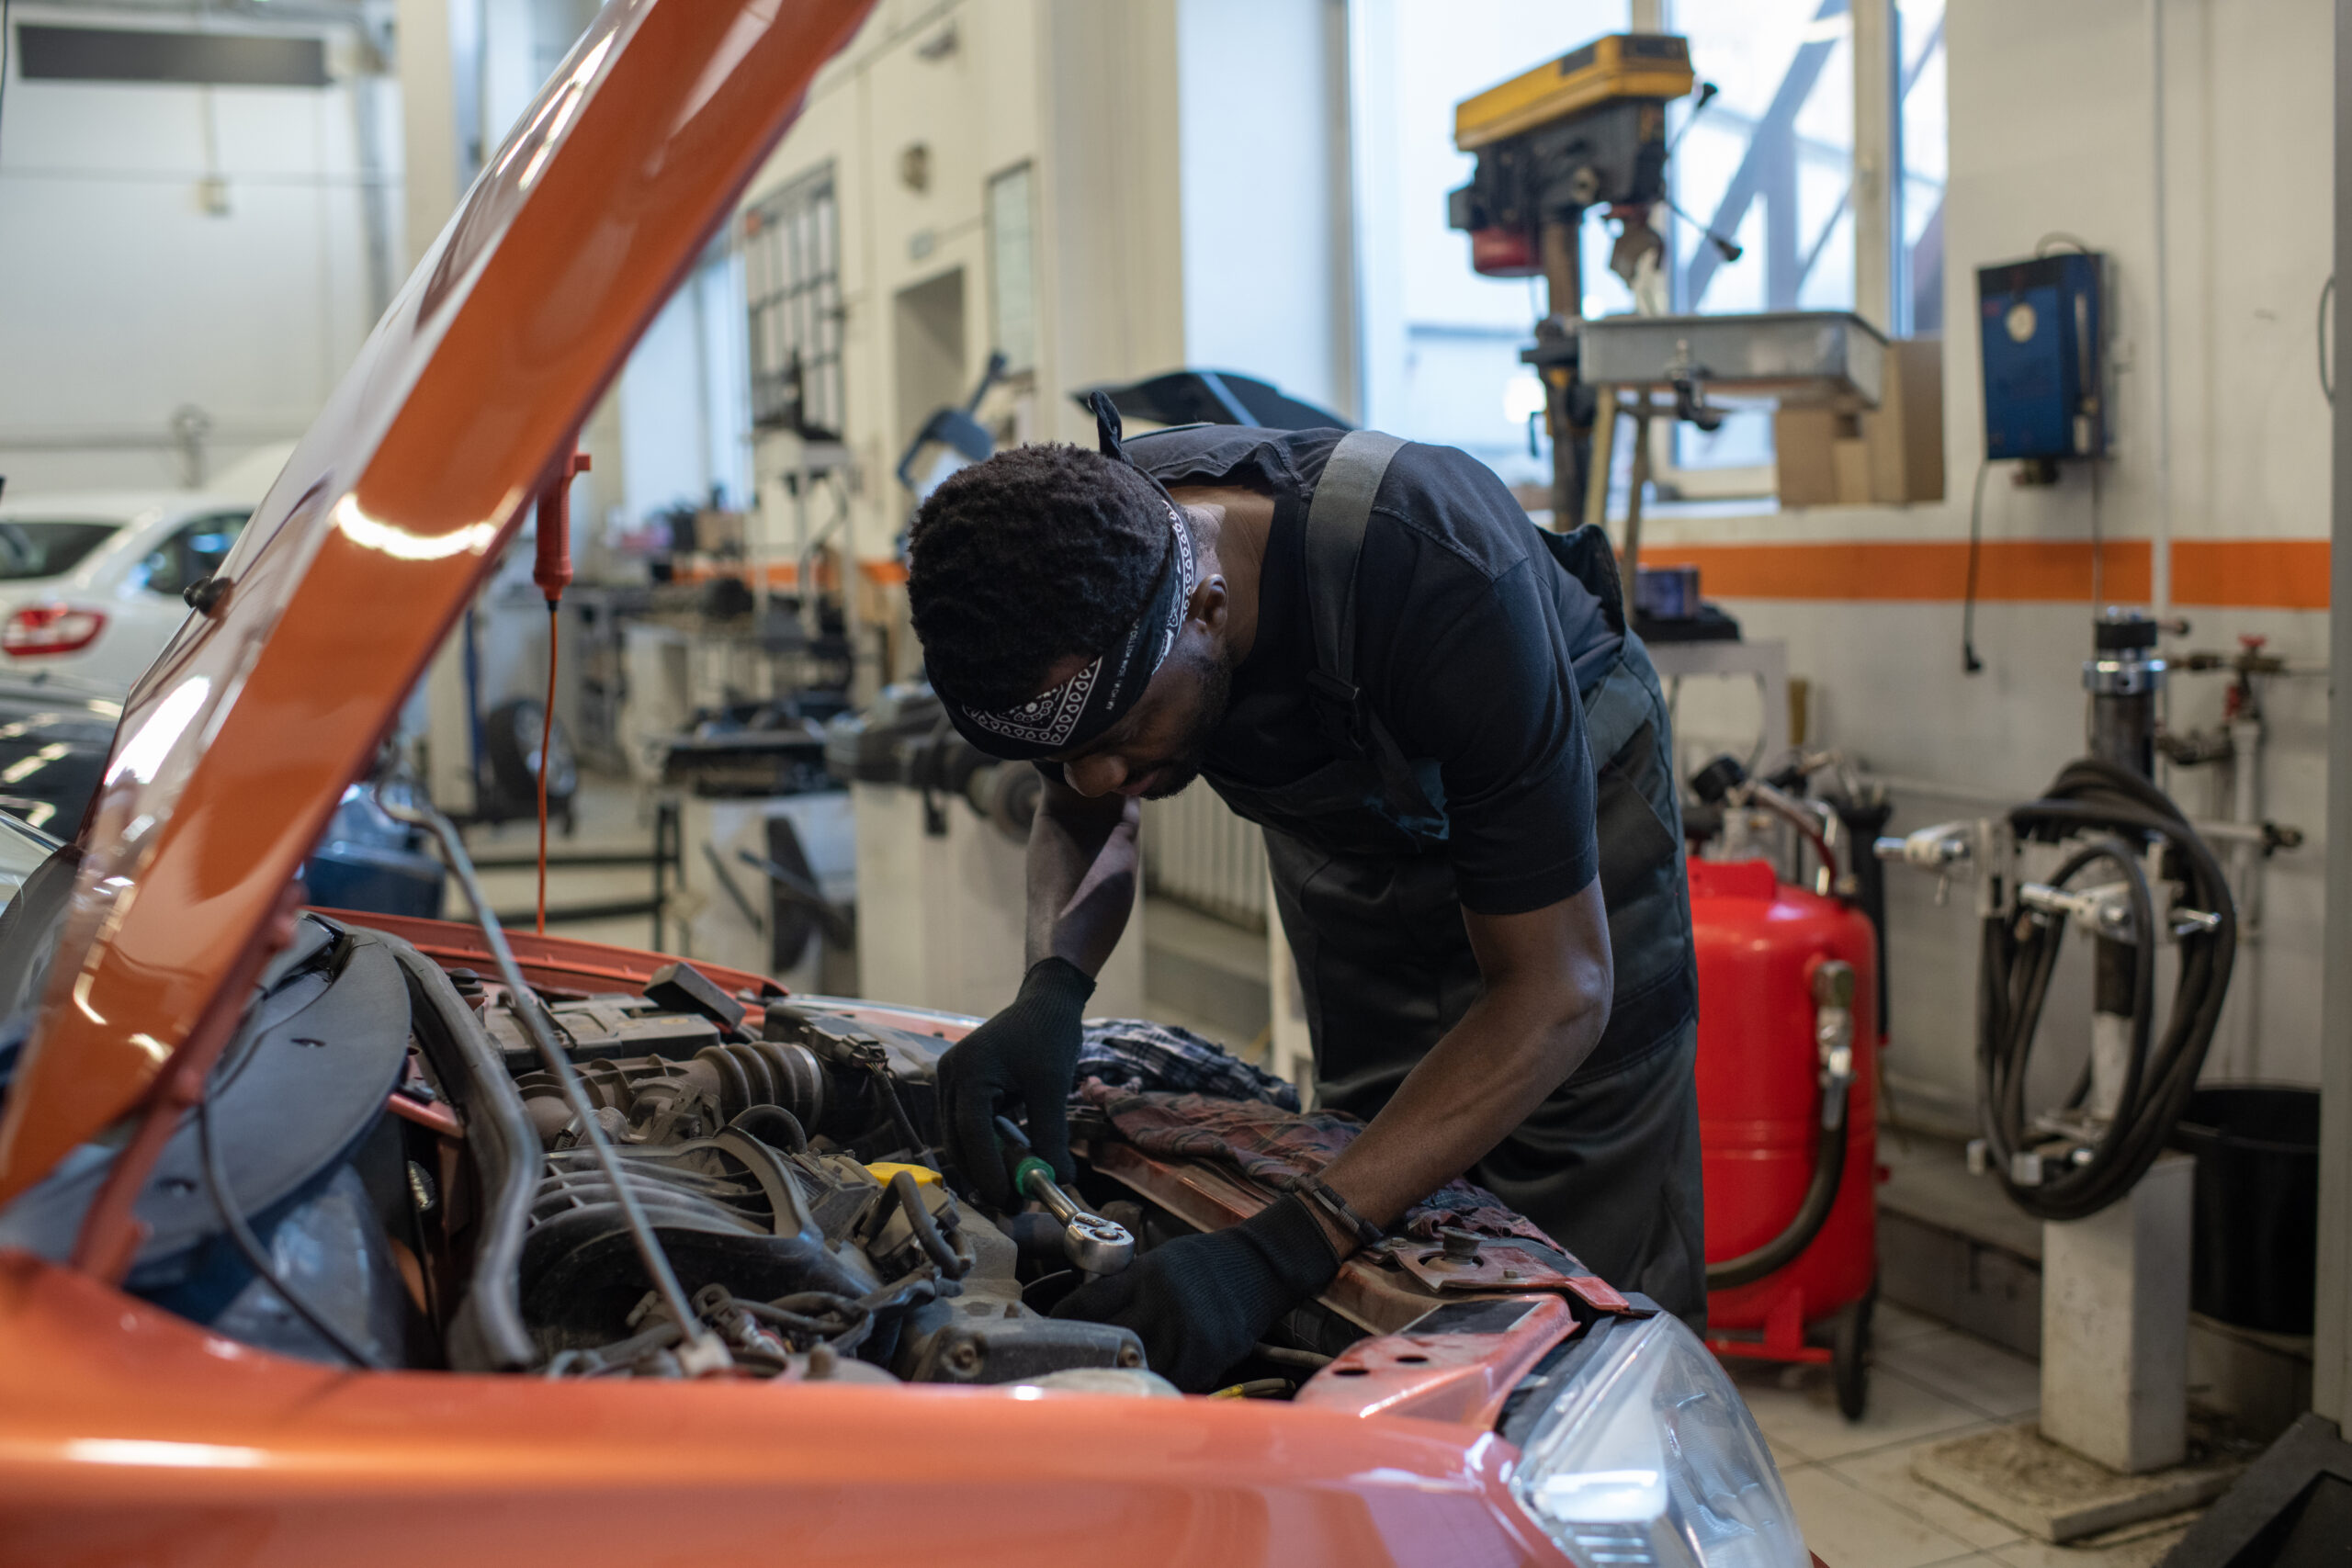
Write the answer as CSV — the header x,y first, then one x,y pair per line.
x,y
92,585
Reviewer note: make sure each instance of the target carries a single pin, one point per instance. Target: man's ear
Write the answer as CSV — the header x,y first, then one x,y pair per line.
x,y
1209,604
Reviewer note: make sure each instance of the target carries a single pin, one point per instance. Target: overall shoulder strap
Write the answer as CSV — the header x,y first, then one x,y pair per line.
x,y
1335,527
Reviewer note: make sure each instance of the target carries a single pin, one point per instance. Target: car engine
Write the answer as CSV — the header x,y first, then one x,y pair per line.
x,y
791,1189
414,1190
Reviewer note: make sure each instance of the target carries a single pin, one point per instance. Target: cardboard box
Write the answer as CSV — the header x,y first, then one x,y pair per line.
x,y
1905,432
1804,440
1889,456
1850,460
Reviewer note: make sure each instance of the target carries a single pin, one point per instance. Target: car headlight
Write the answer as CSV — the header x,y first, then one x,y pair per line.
x,y
1648,1457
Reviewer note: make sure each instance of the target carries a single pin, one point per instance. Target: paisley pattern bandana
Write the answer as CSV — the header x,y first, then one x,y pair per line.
x,y
1099,695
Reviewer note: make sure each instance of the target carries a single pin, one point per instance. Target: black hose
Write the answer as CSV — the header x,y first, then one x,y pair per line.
x,y
840,1314
2020,955
1864,823
781,1128
256,1256
919,1151
1828,1171
950,1262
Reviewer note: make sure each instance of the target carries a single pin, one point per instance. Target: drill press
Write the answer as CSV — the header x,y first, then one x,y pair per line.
x,y
1585,130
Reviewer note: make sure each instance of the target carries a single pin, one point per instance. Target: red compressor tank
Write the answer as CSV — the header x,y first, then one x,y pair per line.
x,y
1788,1042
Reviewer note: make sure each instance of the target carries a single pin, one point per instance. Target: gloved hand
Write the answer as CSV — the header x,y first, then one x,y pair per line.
x,y
1026,1056
1200,1302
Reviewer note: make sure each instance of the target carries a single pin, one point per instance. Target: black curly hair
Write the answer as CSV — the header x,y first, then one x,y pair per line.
x,y
1019,562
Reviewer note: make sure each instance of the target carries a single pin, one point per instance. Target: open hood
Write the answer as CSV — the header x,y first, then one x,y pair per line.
x,y
235,747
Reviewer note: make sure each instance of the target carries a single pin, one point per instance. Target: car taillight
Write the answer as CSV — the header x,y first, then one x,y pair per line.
x,y
50,628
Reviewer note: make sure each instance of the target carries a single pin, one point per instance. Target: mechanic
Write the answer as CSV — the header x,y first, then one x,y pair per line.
x,y
1461,761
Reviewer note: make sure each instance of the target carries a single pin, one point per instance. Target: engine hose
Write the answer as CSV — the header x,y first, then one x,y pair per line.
x,y
842,1314
775,1126
1828,1171
2020,955
950,1261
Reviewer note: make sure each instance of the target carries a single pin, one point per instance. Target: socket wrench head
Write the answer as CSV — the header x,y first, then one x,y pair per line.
x,y
1096,1246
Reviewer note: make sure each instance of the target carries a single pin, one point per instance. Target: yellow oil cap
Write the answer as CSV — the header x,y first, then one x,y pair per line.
x,y
924,1176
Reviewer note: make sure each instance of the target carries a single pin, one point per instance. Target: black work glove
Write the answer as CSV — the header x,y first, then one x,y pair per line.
x,y
1026,1056
1200,1302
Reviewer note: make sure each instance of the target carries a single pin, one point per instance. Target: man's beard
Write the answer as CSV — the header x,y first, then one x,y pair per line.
x,y
1185,764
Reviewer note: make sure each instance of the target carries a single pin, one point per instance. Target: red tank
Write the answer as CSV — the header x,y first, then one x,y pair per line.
x,y
1768,1027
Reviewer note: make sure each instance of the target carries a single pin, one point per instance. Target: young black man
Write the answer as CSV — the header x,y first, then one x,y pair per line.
x,y
1460,759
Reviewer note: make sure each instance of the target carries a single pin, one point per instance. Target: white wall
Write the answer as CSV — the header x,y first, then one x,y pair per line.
x,y
2060,135
1268,285
124,298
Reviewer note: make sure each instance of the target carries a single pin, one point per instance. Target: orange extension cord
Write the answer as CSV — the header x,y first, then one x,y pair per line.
x,y
546,750
552,572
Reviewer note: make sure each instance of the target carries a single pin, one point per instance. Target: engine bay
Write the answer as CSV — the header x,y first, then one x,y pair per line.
x,y
793,1193
432,1200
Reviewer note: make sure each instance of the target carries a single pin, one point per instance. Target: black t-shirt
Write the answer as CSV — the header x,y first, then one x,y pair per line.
x,y
1474,646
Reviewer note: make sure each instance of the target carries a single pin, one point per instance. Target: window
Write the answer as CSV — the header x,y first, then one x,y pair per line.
x,y
1923,128
1441,343
1769,166
1013,287
1770,162
31,547
191,555
792,283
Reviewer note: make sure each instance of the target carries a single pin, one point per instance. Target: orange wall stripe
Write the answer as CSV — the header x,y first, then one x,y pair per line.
x,y
2010,569
2283,574
2251,575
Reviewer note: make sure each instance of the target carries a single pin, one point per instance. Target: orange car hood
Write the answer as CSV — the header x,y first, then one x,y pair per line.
x,y
234,748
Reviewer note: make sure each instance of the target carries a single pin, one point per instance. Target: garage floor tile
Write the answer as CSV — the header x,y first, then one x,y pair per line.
x,y
1797,1409
2143,1550
1848,1527
2000,1383
1886,1475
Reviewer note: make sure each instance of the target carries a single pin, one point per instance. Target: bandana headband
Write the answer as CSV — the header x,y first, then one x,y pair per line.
x,y
1099,695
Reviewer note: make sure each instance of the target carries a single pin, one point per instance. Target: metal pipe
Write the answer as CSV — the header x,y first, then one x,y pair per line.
x,y
1900,784
2160,585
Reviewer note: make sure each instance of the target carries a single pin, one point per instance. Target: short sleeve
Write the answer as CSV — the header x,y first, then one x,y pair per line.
x,y
1485,685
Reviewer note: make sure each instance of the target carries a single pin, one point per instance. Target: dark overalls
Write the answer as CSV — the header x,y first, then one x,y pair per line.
x,y
1609,1163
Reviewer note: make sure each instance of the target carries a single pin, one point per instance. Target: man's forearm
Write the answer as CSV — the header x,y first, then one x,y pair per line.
x,y
1546,1002
1476,1085
1084,863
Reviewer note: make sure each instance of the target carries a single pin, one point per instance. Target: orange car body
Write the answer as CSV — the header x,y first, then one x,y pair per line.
x,y
130,1436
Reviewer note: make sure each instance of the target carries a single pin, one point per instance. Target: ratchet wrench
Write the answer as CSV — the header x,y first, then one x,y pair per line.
x,y
1092,1244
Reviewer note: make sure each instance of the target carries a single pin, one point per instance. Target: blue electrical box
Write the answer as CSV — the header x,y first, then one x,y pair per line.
x,y
2039,322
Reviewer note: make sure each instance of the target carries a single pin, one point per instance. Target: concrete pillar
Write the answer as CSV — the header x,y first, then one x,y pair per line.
x,y
2332,1346
431,159
428,123
2115,1325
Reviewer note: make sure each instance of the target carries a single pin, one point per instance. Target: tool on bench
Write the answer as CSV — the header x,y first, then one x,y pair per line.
x,y
1092,1244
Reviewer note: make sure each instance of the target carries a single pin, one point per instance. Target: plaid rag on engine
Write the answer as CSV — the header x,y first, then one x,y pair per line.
x,y
1132,1054
1271,1146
